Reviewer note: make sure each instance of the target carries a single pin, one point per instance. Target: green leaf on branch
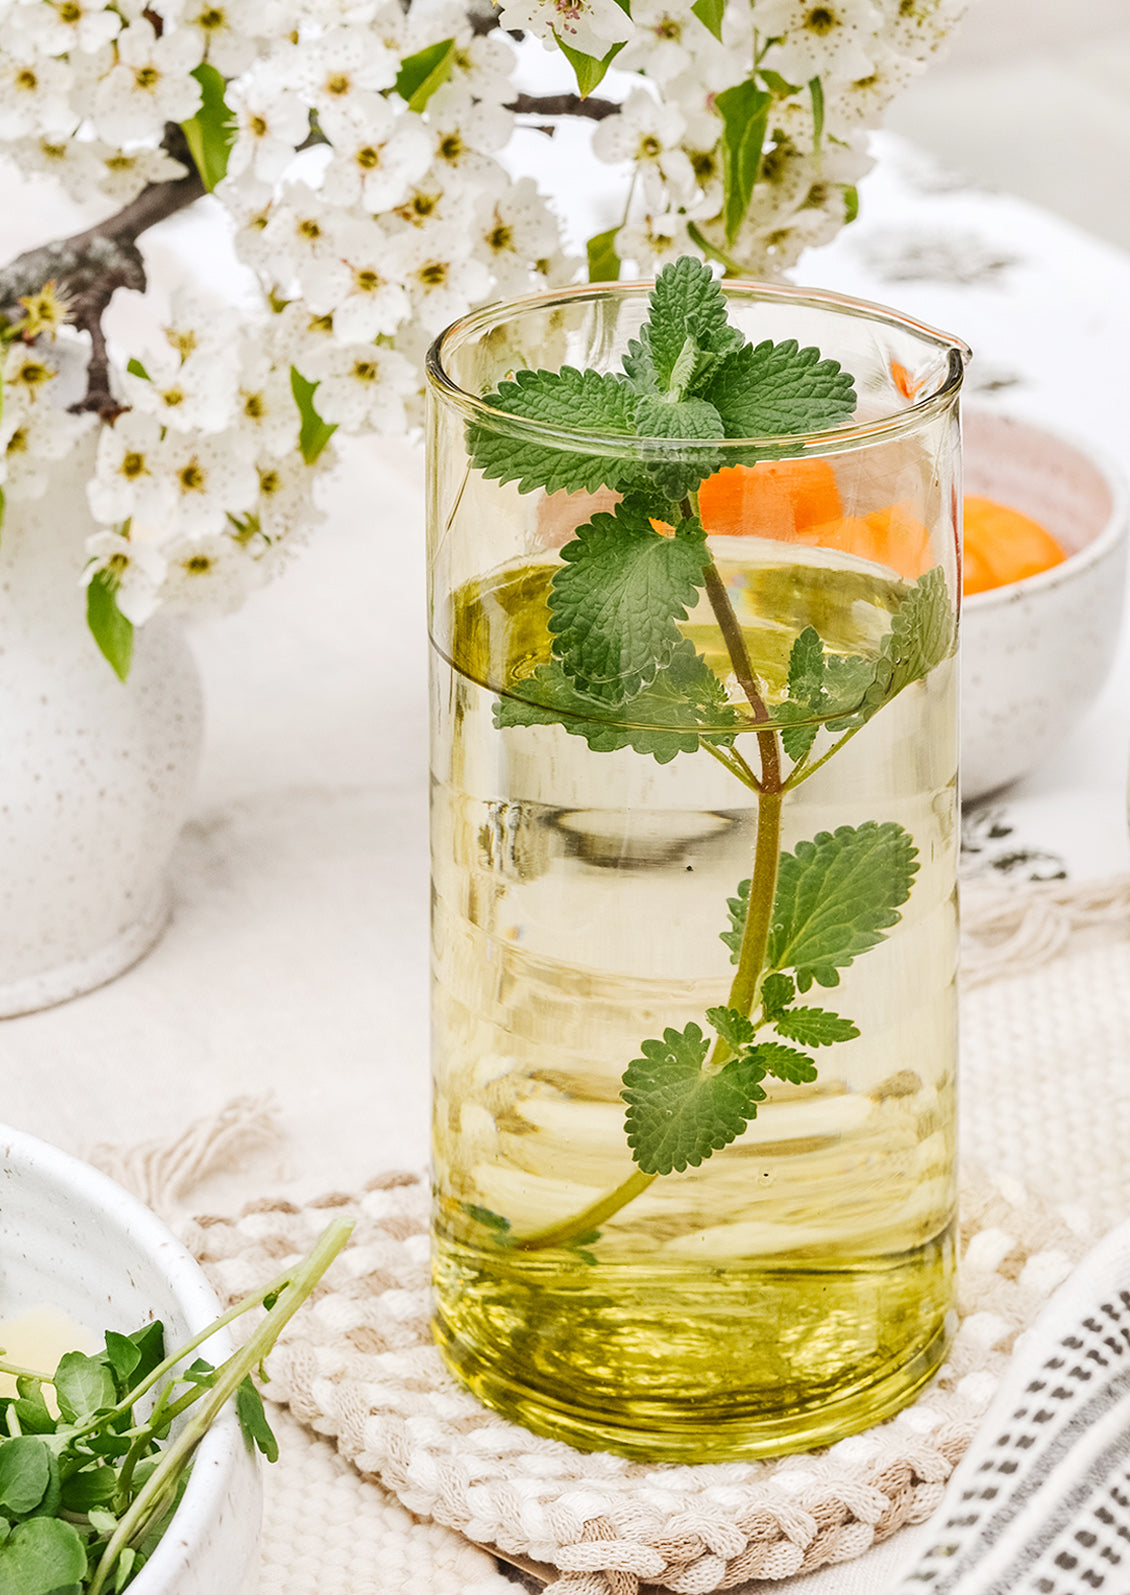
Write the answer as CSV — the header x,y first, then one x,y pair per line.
x,y
678,1114
851,203
136,369
780,88
561,401
814,1027
816,92
772,389
108,626
588,70
614,602
682,708
603,261
314,433
736,1029
710,14
422,74
837,897
211,132
253,1421
44,1556
744,110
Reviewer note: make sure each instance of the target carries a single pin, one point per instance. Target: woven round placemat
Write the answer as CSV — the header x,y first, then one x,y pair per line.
x,y
360,1367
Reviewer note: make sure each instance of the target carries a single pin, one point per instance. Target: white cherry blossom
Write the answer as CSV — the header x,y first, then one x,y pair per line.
x,y
591,26
210,477
361,386
129,477
206,570
377,158
271,121
648,134
362,285
135,563
819,37
33,93
151,84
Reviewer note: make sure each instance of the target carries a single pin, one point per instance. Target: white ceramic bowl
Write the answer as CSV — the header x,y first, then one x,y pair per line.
x,y
1035,653
73,1240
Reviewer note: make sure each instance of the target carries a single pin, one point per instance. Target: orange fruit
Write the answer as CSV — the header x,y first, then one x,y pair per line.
x,y
1002,546
775,499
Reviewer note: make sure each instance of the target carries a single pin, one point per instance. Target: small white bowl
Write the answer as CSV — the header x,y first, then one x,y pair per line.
x,y
1035,653
73,1240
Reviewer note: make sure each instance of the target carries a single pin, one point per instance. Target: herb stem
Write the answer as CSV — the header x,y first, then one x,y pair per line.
x,y
802,773
732,760
161,1484
590,1218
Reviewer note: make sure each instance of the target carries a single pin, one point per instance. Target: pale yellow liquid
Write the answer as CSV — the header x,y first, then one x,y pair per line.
x,y
36,1340
796,1286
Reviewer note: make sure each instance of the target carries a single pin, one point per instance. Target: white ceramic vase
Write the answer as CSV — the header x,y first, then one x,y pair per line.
x,y
95,774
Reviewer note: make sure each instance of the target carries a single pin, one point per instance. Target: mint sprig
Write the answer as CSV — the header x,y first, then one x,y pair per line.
x,y
688,374
623,674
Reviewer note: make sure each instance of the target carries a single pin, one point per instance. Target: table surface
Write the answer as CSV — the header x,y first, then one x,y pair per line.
x,y
295,963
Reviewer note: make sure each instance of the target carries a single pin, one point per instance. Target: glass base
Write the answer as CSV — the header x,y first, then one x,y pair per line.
x,y
762,1381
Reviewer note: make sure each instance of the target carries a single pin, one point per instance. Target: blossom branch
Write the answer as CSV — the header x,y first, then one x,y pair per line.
x,y
562,105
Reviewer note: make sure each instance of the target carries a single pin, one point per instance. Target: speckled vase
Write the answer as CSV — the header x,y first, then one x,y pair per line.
x,y
95,775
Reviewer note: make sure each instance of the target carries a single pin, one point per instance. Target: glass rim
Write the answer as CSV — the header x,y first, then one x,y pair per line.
x,y
832,439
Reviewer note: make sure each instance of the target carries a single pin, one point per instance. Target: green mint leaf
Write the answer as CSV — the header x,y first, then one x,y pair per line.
x,y
587,69
615,600
44,1556
744,110
687,306
736,1029
777,991
211,132
25,1474
314,433
108,626
685,705
83,1386
738,909
784,1063
603,261
806,693
677,1113
686,418
591,401
780,389
710,14
253,1421
837,896
814,1027
921,636
422,74
486,1216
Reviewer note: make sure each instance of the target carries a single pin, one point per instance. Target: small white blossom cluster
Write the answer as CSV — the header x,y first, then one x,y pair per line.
x,y
365,177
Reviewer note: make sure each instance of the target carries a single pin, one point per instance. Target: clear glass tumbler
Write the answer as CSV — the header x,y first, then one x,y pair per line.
x,y
695,934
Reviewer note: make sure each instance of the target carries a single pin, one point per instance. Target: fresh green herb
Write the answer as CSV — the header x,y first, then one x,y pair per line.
x,y
86,1496
622,674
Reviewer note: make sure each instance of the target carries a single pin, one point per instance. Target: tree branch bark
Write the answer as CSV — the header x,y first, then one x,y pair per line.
x,y
89,267
562,105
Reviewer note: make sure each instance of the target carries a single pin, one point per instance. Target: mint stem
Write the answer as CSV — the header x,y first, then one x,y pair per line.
x,y
755,939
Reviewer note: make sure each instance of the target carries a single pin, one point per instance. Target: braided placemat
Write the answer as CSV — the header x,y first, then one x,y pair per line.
x,y
360,1366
